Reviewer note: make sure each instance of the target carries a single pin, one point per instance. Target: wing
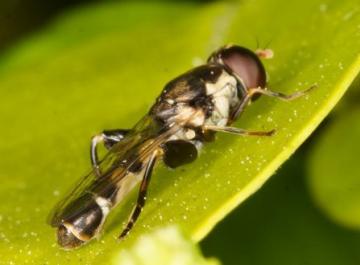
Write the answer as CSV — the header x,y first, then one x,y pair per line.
x,y
136,147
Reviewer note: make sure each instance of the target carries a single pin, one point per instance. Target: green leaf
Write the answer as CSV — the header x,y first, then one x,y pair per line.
x,y
281,225
163,246
334,176
102,67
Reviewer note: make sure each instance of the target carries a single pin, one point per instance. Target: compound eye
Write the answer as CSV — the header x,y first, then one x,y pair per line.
x,y
245,64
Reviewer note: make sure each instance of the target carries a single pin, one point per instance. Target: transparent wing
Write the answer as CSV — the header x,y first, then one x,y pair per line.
x,y
137,146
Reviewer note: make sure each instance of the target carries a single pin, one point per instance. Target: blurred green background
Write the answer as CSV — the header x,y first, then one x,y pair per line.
x,y
306,214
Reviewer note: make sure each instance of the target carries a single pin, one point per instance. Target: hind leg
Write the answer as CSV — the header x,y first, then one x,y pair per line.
x,y
108,138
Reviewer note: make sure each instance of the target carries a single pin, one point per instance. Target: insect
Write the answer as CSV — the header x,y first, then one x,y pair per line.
x,y
189,111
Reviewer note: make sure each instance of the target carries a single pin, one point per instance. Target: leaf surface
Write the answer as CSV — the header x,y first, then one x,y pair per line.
x,y
102,66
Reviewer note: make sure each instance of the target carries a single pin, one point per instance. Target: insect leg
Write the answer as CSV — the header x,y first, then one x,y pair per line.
x,y
266,92
279,95
240,108
109,138
238,131
141,196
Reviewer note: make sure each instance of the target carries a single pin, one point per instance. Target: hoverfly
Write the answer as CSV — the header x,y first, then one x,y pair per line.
x,y
188,112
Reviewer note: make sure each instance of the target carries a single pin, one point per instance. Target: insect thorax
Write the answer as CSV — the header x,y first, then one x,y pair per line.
x,y
204,96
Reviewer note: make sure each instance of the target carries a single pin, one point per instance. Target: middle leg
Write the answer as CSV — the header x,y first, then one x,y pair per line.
x,y
238,131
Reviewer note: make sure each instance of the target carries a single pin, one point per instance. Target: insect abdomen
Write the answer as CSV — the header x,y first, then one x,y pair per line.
x,y
82,225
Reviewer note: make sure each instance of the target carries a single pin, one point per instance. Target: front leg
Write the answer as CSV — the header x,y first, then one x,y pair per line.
x,y
281,96
253,93
109,138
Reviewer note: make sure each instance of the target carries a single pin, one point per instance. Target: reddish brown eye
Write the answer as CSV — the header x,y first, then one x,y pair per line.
x,y
245,64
